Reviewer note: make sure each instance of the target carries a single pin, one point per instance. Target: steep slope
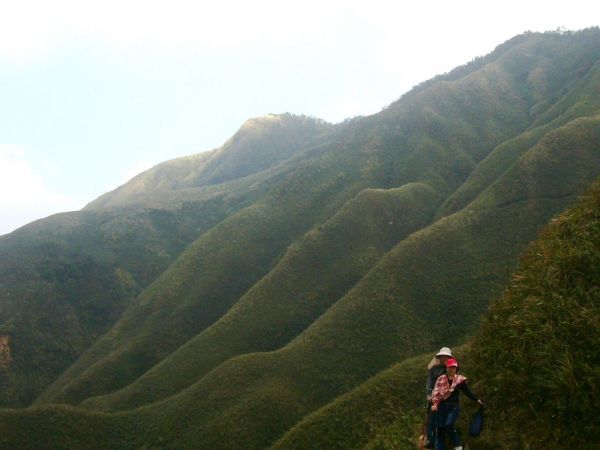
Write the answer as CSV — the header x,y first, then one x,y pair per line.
x,y
541,338
533,358
402,317
66,279
276,384
260,143
66,428
434,137
277,389
302,291
385,411
582,100
206,280
314,273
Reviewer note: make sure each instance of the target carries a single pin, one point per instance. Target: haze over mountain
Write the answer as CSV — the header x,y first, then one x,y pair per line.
x,y
258,294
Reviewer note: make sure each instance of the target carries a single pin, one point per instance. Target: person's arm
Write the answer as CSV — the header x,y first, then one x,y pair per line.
x,y
469,393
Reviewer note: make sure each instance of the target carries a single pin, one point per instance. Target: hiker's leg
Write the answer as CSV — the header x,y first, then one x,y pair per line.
x,y
440,439
450,425
431,425
440,430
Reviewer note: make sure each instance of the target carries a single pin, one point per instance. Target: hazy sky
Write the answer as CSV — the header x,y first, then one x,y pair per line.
x,y
92,93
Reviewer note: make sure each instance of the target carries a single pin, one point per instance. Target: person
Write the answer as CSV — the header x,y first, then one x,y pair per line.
x,y
445,402
437,367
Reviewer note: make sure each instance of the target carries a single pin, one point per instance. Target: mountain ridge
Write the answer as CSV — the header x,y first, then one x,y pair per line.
x,y
298,281
259,144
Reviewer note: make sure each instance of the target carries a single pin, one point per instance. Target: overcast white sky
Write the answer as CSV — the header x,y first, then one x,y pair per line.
x,y
92,93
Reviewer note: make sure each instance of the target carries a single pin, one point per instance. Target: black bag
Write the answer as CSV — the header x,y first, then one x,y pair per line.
x,y
476,423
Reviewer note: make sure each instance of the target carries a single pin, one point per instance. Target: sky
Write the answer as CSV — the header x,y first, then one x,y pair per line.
x,y
94,92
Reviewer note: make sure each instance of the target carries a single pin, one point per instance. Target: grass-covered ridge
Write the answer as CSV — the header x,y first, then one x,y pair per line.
x,y
68,278
396,305
540,339
259,144
392,397
434,137
304,280
534,359
296,292
529,343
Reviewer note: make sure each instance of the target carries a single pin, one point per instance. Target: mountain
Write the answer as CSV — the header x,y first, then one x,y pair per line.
x,y
294,265
65,280
261,143
538,340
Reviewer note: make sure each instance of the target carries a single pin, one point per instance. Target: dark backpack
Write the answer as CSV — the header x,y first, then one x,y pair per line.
x,y
476,423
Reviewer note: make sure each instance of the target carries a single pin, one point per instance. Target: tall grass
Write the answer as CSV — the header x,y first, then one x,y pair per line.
x,y
538,348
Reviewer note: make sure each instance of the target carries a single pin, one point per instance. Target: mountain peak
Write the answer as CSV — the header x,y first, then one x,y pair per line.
x,y
260,143
260,120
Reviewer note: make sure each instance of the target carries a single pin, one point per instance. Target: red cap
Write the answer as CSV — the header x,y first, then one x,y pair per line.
x,y
452,363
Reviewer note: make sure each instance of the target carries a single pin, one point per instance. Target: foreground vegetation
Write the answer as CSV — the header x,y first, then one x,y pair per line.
x,y
540,339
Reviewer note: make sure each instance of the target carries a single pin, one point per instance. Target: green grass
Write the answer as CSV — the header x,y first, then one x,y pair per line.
x,y
405,304
313,274
362,418
66,428
259,144
67,279
205,282
540,339
433,138
309,276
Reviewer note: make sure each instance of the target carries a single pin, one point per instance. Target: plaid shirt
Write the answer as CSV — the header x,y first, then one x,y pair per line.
x,y
443,389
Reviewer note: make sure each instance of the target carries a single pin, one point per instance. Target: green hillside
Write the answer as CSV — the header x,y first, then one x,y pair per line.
x,y
295,293
432,137
288,288
541,338
260,143
391,398
66,279
337,353
533,359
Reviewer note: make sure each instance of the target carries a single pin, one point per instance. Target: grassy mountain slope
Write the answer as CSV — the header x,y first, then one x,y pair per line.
x,y
233,349
260,143
386,411
67,279
206,280
296,292
580,101
337,353
540,339
390,403
433,137
67,428
533,359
